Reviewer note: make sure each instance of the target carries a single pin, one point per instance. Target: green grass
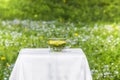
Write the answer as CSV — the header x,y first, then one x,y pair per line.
x,y
100,42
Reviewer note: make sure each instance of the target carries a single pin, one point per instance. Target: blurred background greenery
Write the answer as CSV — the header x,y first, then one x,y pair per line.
x,y
93,25
62,10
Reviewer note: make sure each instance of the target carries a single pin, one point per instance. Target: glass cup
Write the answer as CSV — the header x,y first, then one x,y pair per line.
x,y
57,44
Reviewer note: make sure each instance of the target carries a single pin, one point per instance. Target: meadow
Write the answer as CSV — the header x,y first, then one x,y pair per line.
x,y
99,41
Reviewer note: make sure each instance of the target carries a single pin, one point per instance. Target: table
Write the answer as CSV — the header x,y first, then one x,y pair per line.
x,y
41,64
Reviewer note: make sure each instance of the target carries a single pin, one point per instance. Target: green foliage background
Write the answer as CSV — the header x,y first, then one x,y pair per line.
x,y
29,23
62,10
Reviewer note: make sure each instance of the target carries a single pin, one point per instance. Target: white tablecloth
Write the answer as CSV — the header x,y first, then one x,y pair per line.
x,y
40,64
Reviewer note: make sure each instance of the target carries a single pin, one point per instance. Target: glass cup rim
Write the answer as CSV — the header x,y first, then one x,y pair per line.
x,y
57,38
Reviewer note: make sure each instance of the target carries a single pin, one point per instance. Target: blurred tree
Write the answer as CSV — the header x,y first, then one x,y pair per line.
x,y
63,10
